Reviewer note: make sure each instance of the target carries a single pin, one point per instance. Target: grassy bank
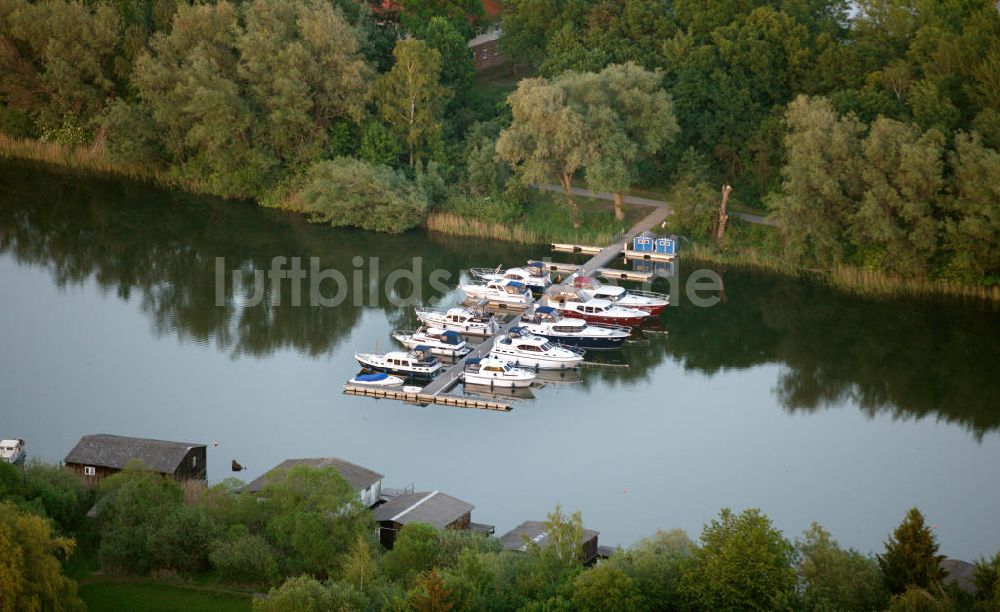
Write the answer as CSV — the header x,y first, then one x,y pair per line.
x,y
153,597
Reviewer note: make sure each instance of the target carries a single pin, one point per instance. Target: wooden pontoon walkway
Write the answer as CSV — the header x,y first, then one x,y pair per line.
x,y
610,252
444,381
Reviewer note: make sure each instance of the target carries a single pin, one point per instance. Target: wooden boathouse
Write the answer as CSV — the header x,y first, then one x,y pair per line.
x,y
366,482
98,456
521,538
431,507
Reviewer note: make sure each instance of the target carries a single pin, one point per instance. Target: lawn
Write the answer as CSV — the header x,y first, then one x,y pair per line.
x,y
154,597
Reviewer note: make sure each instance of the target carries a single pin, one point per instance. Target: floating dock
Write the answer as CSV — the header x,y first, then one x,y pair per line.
x,y
608,273
436,392
424,399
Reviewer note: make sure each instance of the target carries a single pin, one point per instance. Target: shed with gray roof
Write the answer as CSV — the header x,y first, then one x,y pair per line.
x,y
98,456
519,538
368,483
431,507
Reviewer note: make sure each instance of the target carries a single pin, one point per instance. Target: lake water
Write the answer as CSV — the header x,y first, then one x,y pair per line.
x,y
788,396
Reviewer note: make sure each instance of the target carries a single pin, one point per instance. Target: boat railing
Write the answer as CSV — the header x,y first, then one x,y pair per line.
x,y
649,294
613,327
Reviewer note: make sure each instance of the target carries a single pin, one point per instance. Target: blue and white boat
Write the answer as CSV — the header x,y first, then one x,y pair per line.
x,y
522,349
546,322
534,276
12,451
507,292
377,379
419,363
444,342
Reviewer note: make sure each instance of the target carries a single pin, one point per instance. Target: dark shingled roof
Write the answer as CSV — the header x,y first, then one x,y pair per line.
x,y
358,477
534,530
106,450
432,507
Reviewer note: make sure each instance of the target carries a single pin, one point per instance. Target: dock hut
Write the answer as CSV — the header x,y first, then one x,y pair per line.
x,y
648,245
98,456
432,507
518,539
368,483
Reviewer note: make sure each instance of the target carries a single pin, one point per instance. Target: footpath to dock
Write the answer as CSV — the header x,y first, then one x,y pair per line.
x,y
436,392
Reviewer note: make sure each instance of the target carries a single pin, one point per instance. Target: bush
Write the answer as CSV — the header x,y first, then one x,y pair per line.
x,y
182,541
353,193
245,559
17,124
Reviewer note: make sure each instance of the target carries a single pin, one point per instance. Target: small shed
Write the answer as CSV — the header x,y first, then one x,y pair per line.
x,y
368,483
98,456
648,242
517,539
432,507
485,50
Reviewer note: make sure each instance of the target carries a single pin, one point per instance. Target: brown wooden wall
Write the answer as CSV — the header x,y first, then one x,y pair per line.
x,y
487,55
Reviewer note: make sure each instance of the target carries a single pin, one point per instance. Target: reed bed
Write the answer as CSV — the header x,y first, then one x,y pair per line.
x,y
450,223
85,159
851,279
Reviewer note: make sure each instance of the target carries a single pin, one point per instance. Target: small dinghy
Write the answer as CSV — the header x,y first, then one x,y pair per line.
x,y
509,292
462,320
520,348
419,363
533,276
12,451
376,379
442,342
489,372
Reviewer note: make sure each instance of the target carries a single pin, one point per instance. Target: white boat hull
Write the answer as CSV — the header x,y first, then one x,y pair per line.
x,y
483,380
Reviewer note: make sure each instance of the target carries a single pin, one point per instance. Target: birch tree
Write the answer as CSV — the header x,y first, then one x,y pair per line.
x,y
410,96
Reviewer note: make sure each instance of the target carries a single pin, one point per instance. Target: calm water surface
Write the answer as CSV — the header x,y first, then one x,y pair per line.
x,y
788,396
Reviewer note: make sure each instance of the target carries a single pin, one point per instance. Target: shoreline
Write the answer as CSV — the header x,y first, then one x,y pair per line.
x,y
850,279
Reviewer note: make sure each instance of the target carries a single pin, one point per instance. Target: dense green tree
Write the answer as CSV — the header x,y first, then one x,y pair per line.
x,y
547,140
410,97
346,192
361,567
415,551
313,516
31,576
46,490
973,226
655,564
463,14
605,587
903,177
911,556
526,27
630,117
378,144
134,504
837,579
743,563
56,57
987,580
456,61
821,182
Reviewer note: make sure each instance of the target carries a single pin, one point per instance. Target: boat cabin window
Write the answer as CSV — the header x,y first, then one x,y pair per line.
x,y
493,369
529,347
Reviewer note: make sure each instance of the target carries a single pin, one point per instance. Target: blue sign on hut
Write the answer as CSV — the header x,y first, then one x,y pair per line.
x,y
650,243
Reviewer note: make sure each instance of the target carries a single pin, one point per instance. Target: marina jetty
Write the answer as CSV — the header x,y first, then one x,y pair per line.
x,y
437,390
